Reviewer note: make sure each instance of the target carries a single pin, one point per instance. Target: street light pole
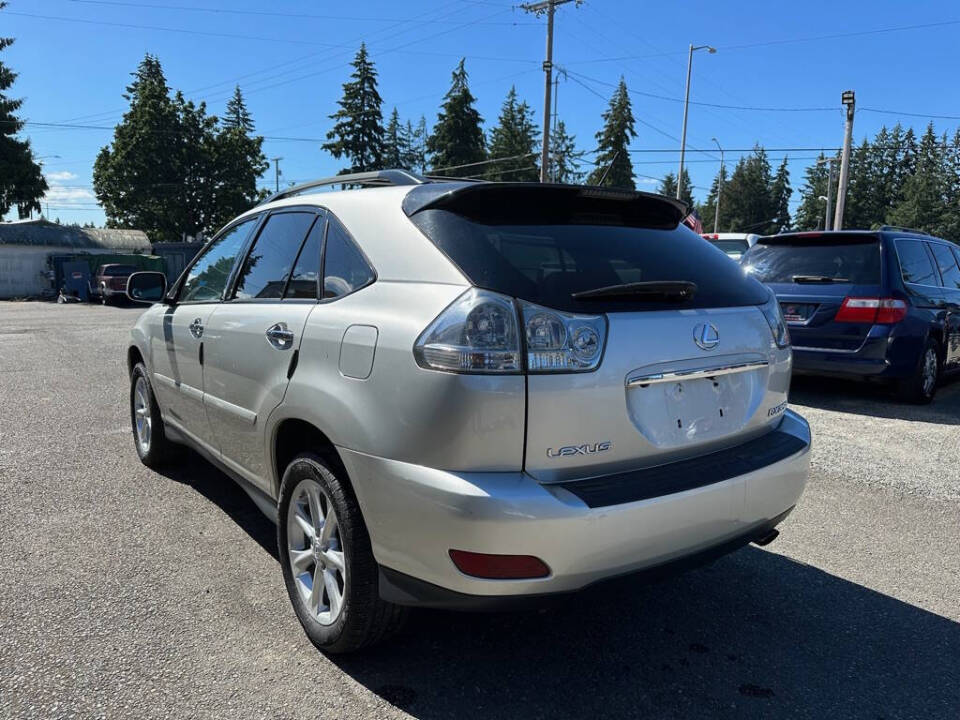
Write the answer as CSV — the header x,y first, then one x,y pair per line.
x,y
686,108
276,173
716,212
849,101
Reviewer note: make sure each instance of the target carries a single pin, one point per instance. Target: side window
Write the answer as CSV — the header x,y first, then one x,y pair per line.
x,y
344,267
305,279
915,264
947,262
209,275
270,261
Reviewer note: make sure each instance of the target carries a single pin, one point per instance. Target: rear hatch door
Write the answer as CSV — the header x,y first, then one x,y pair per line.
x,y
811,275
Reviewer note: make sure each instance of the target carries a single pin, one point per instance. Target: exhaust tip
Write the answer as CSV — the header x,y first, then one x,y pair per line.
x,y
767,538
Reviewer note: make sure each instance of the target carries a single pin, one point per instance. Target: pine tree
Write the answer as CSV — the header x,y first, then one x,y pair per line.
x,y
415,140
138,179
514,137
747,195
22,184
237,116
780,192
357,133
564,167
924,193
195,147
457,138
395,151
613,142
810,213
708,211
668,187
239,163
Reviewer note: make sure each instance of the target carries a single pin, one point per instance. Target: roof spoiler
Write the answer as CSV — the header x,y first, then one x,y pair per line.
x,y
662,211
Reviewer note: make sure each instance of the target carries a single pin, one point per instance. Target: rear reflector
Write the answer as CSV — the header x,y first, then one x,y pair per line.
x,y
876,311
499,567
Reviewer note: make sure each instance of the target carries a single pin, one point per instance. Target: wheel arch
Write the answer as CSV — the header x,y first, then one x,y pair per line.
x,y
134,356
292,436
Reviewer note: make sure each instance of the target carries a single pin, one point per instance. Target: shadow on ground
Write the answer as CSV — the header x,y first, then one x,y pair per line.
x,y
753,635
866,399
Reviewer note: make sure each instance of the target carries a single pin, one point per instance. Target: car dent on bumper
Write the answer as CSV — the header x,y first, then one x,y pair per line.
x,y
416,514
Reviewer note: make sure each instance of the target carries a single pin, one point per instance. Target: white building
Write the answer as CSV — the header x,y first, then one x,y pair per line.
x,y
25,247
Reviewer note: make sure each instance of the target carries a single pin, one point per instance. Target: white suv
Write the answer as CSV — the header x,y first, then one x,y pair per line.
x,y
463,395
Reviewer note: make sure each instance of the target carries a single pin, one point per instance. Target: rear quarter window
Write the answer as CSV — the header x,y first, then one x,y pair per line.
x,y
915,264
546,263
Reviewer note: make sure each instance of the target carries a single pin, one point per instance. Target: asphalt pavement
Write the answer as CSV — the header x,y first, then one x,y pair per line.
x,y
129,593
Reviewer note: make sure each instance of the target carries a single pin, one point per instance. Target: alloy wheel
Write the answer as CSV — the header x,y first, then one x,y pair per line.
x,y
316,552
929,371
143,421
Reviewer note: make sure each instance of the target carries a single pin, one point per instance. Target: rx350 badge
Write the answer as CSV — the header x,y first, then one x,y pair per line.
x,y
585,449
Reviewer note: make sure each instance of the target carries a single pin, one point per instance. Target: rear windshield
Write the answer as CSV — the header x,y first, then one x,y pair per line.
x,y
547,263
731,247
111,270
781,261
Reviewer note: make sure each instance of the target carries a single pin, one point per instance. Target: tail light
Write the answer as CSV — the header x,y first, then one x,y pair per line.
x,y
872,310
778,326
480,333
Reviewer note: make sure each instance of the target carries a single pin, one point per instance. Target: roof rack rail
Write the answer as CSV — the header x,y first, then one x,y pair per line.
x,y
375,178
903,229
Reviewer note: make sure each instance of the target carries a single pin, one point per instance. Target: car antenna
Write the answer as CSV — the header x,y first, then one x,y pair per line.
x,y
609,167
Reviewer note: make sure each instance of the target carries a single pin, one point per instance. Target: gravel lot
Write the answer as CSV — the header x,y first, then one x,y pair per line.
x,y
126,593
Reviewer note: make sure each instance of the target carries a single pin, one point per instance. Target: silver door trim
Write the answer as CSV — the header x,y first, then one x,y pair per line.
x,y
247,416
188,390
695,374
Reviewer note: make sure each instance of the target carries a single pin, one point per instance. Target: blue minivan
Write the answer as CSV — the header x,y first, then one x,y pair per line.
x,y
880,305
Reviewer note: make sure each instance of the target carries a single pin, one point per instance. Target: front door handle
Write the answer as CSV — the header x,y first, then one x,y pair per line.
x,y
280,336
196,328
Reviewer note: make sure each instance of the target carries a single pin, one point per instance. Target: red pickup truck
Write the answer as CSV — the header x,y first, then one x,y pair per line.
x,y
110,282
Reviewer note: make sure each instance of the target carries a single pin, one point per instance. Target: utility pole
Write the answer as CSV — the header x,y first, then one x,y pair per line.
x,y
716,213
849,101
539,8
831,178
276,173
686,108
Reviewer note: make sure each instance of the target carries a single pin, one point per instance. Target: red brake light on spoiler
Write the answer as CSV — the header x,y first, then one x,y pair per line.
x,y
877,311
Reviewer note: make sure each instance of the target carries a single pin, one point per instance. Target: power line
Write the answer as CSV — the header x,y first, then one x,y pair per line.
x,y
266,13
909,114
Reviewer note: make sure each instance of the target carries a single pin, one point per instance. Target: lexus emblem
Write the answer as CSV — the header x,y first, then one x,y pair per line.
x,y
706,336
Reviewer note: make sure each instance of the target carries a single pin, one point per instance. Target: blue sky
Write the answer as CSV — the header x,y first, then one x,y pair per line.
x,y
74,58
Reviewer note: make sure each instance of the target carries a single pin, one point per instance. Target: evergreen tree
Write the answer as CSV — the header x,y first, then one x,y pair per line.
x,y
395,151
239,163
780,192
613,142
138,178
925,192
564,167
747,195
237,116
514,137
22,184
195,147
415,140
457,137
357,133
811,212
708,211
668,187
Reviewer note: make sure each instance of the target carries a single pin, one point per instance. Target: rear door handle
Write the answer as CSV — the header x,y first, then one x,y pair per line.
x,y
196,328
280,336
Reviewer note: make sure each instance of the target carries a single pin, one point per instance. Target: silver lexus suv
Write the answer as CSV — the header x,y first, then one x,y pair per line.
x,y
467,395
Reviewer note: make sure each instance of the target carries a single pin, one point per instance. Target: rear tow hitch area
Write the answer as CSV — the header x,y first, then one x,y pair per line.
x,y
766,538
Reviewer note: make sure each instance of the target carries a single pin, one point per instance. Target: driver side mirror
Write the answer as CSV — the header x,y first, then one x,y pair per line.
x,y
147,287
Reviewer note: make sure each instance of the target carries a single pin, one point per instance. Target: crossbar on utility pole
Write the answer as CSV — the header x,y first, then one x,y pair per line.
x,y
539,8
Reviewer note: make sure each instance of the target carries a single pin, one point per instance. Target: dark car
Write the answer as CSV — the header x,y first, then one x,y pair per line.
x,y
878,305
110,282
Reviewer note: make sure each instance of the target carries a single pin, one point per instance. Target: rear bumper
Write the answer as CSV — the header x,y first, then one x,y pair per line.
x,y
415,515
881,356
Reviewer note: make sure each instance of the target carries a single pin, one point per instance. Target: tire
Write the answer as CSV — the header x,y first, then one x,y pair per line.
x,y
155,450
341,561
104,300
921,386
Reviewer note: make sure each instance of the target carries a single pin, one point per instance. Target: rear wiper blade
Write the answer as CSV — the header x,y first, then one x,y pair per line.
x,y
651,290
818,279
